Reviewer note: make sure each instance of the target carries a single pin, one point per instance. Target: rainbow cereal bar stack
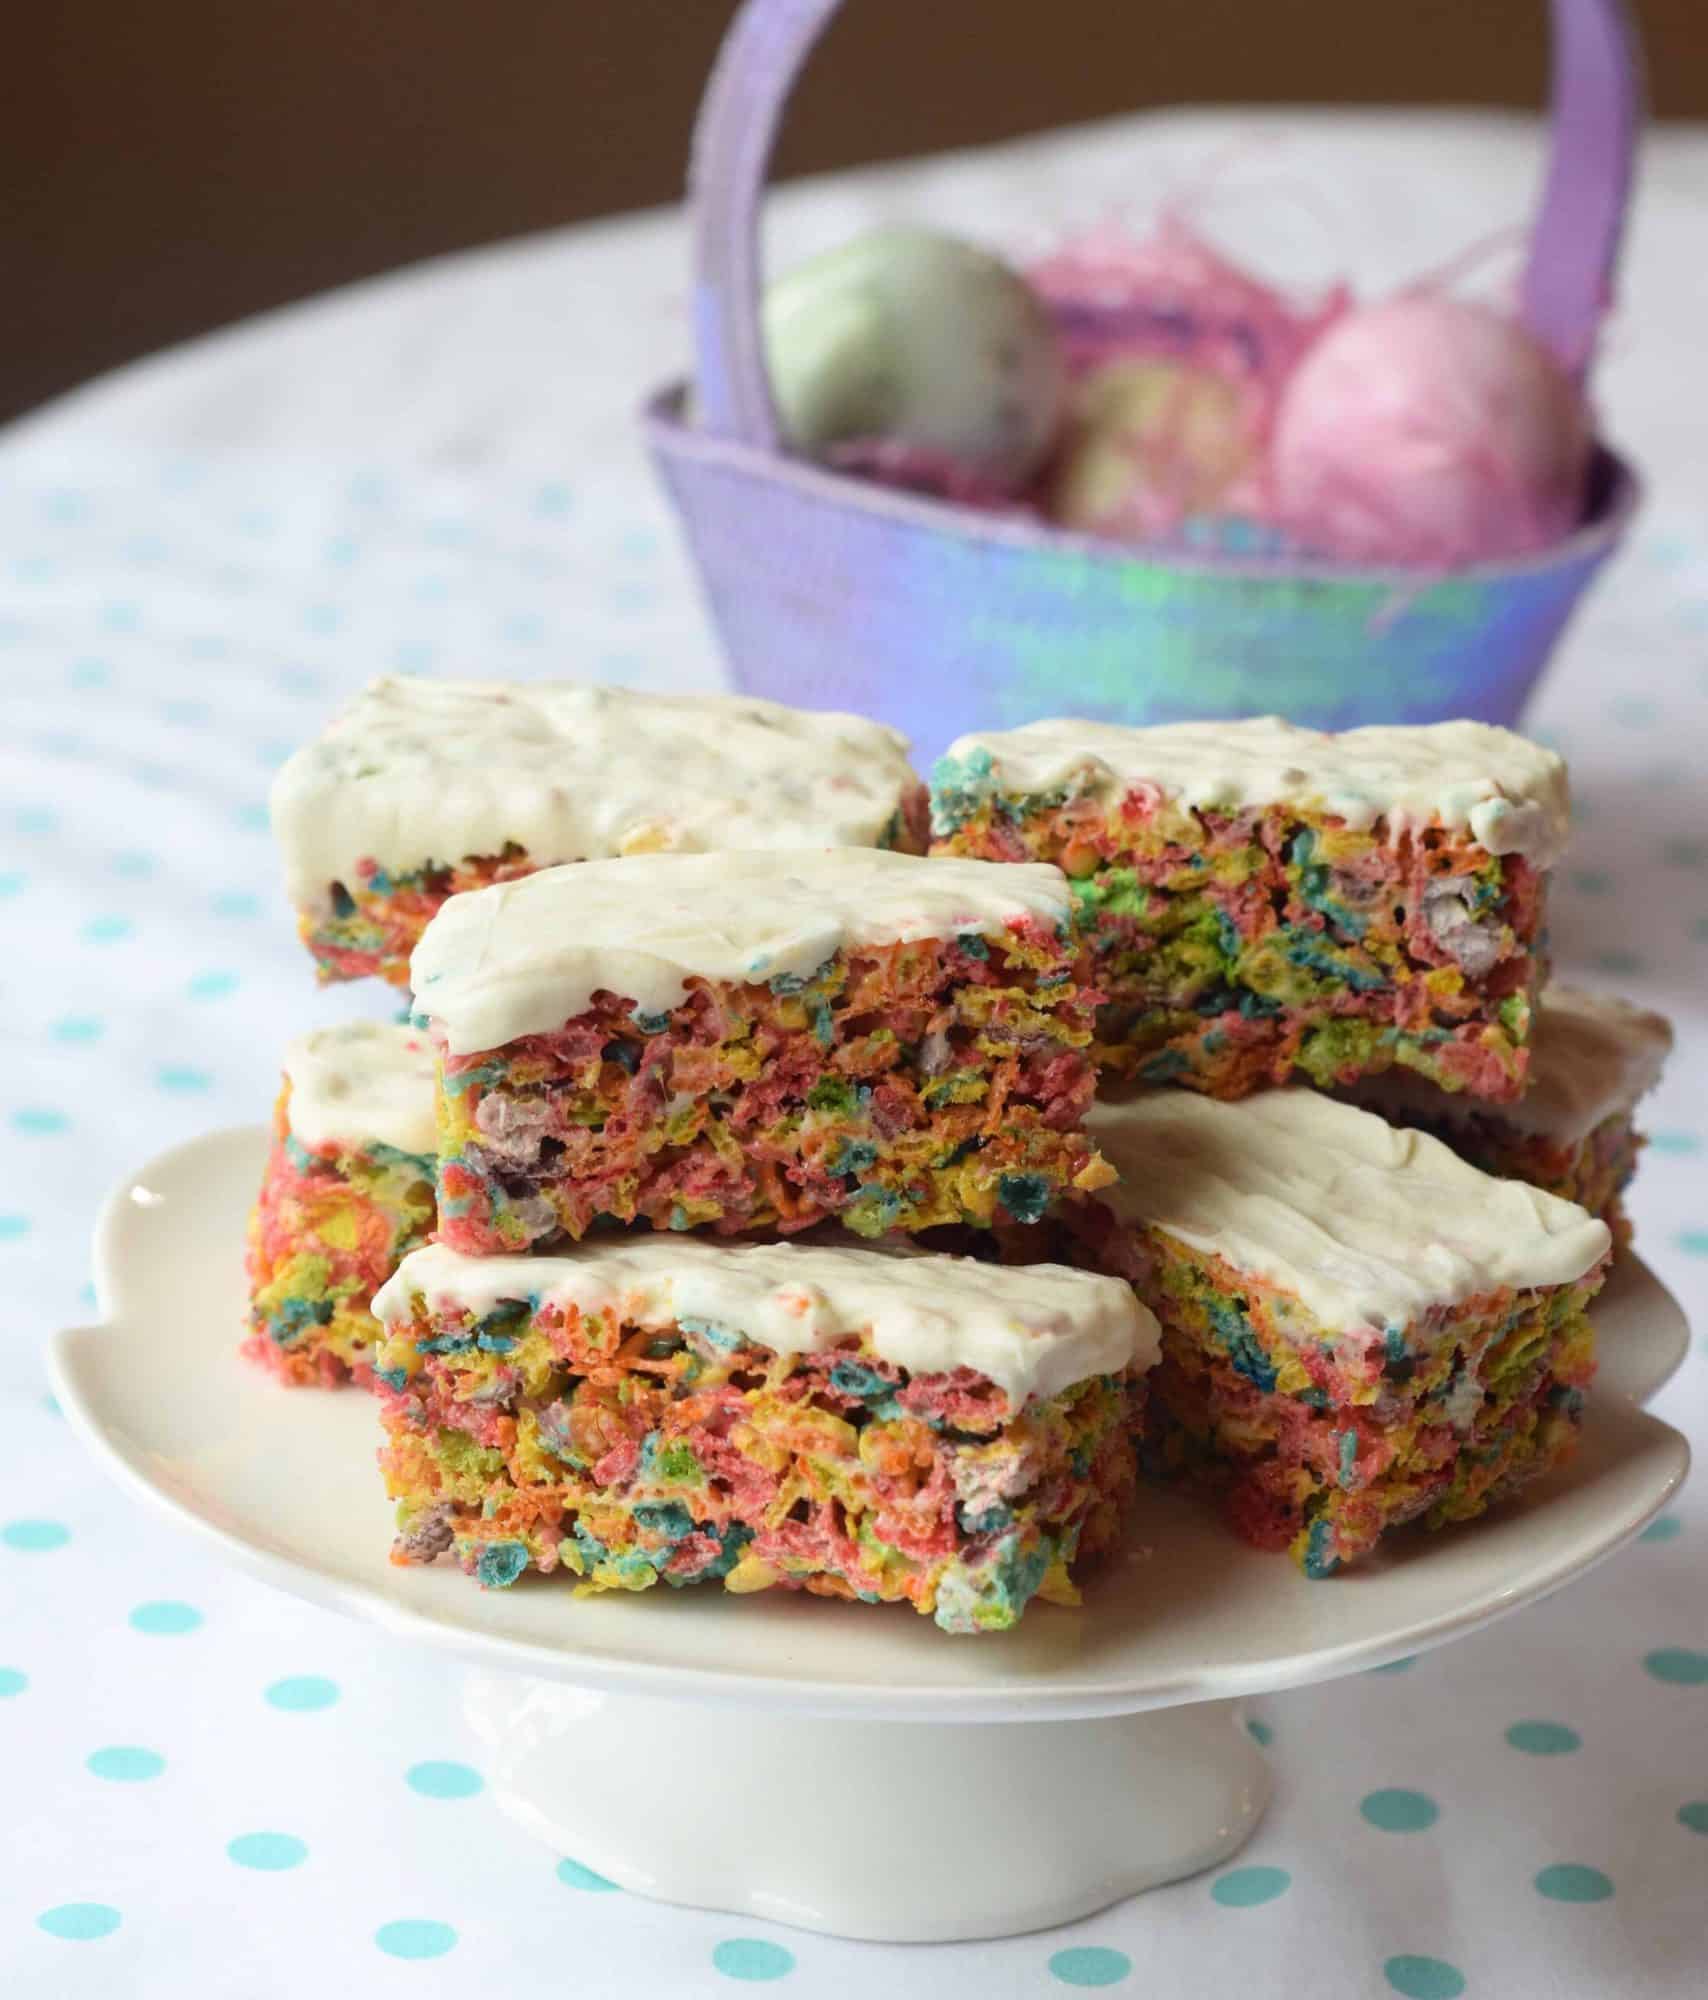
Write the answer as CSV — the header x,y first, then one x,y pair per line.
x,y
729,1043
421,789
757,1041
1268,902
1359,1329
348,1189
1573,1132
883,1425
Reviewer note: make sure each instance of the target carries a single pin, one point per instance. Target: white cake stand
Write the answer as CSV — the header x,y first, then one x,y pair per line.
x,y
839,1767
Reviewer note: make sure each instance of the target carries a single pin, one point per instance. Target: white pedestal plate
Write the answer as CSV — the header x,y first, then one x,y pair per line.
x,y
833,1766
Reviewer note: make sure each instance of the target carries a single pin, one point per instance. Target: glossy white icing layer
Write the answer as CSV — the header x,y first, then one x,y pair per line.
x,y
1367,1224
1034,1331
419,770
360,1084
1591,1057
521,958
1509,793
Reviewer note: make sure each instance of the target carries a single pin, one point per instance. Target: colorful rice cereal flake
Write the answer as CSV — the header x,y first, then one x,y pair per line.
x,y
1573,1132
755,1041
1358,1328
892,1426
1268,902
422,789
348,1190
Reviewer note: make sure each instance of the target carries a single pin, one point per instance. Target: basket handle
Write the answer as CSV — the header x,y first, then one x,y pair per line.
x,y
1568,279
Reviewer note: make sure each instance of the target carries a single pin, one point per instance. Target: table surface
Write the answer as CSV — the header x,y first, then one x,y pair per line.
x,y
214,1790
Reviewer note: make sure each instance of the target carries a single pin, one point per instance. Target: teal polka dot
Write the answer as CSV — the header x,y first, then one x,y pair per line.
x,y
434,1780
1543,1739
39,1121
133,864
415,1937
165,1618
126,1764
322,618
1693,1815
1677,1144
1634,710
36,819
35,1537
1685,853
1693,1242
1590,881
79,1923
13,1680
1398,1811
272,753
182,1079
524,629
342,550
12,1226
1260,1732
1680,1666
185,714
1403,1666
300,680
1572,1882
107,930
252,818
1245,1888
554,498
1666,1529
89,674
236,904
1090,1965
412,656
752,1958
212,985
1620,963
300,1694
77,1028
11,883
1423,1978
51,1405
573,1876
267,1851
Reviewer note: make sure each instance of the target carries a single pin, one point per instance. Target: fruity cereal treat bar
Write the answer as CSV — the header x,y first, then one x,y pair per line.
x,y
348,1189
744,1041
1358,1328
1267,901
892,1426
1573,1131
423,788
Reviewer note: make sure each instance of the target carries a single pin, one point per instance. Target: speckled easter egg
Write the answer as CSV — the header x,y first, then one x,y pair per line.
x,y
1150,443
1429,430
920,340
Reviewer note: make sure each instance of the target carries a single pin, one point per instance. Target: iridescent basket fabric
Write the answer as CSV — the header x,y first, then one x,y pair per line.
x,y
835,592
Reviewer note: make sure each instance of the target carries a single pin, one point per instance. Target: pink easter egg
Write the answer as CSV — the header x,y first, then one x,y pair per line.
x,y
1429,430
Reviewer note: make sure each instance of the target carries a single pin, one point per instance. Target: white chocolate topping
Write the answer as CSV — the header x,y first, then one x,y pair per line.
x,y
1367,1224
523,957
418,770
1509,793
1591,1057
1034,1330
360,1084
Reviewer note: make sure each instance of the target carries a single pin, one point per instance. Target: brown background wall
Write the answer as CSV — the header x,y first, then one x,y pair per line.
x,y
165,168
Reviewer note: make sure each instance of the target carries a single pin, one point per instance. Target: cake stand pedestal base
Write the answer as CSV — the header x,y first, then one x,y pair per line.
x,y
898,1832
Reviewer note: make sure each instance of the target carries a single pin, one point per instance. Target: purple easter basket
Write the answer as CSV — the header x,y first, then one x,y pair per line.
x,y
830,591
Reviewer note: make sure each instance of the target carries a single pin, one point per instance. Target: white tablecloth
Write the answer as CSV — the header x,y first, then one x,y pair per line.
x,y
439,472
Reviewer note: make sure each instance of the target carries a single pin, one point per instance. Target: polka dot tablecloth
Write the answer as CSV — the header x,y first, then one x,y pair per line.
x,y
212,1790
